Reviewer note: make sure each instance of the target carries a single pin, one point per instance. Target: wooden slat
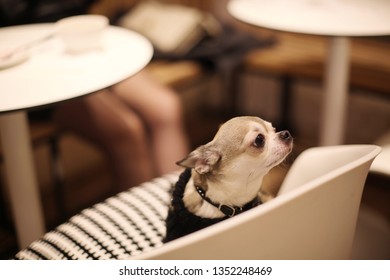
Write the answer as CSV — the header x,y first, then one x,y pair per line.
x,y
176,74
304,56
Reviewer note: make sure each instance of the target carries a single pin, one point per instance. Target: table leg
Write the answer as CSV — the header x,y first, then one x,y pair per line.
x,y
21,177
335,92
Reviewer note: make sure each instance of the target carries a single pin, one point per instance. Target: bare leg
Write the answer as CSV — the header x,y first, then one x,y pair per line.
x,y
161,110
106,121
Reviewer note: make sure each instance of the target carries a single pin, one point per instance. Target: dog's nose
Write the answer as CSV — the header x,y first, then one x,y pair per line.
x,y
285,135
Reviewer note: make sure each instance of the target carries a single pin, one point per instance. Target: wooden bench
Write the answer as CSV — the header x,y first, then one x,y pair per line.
x,y
296,56
303,56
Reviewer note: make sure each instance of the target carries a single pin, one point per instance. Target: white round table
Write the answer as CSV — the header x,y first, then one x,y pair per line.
x,y
48,76
337,19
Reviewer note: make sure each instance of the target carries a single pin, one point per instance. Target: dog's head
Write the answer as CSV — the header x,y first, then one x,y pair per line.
x,y
244,148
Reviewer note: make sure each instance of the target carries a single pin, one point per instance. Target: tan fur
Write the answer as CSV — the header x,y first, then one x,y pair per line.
x,y
231,167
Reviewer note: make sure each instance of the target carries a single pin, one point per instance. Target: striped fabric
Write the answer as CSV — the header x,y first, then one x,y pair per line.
x,y
124,225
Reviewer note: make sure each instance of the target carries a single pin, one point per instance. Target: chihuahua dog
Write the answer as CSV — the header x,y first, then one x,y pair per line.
x,y
223,178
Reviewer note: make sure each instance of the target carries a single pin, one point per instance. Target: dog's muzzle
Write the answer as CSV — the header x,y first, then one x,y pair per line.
x,y
285,136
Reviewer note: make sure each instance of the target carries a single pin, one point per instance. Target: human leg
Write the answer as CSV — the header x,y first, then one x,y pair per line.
x,y
161,109
104,120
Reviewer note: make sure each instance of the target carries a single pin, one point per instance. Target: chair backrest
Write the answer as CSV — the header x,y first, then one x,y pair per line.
x,y
314,217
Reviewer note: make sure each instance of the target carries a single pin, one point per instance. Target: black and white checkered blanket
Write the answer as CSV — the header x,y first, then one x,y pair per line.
x,y
120,227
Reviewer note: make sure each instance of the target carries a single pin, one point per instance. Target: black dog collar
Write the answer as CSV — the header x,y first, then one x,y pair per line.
x,y
229,211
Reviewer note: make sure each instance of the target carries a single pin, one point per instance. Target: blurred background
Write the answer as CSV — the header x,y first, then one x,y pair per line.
x,y
229,69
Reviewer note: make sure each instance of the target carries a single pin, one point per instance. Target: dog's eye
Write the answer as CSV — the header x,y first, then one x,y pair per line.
x,y
259,141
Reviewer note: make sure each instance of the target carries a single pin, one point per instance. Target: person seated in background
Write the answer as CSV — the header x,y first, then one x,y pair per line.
x,y
138,123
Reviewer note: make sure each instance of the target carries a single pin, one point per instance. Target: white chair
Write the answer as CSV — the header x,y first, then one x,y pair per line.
x,y
313,217
381,164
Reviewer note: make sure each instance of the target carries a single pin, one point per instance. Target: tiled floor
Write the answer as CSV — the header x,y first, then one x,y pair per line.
x,y
372,238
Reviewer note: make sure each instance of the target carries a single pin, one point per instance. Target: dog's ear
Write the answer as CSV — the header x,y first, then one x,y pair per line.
x,y
202,160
